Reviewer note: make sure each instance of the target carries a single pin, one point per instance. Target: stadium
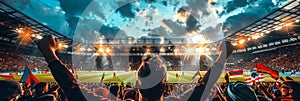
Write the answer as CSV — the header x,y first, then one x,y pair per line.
x,y
184,50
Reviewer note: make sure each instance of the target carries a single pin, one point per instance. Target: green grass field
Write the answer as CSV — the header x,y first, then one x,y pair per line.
x,y
185,77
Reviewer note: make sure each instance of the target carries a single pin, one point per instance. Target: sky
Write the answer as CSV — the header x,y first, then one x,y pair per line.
x,y
89,20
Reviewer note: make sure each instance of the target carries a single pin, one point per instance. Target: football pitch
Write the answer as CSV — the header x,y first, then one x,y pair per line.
x,y
122,76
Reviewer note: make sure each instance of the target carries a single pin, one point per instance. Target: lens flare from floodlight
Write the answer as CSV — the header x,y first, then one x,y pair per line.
x,y
297,20
24,34
242,41
198,51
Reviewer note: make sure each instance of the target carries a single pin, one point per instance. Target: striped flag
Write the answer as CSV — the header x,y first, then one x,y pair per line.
x,y
255,77
28,77
236,73
7,76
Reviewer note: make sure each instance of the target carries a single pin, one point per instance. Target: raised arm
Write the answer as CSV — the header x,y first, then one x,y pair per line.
x,y
203,89
48,45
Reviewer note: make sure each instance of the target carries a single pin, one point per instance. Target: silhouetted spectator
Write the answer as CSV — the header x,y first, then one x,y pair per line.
x,y
41,92
9,90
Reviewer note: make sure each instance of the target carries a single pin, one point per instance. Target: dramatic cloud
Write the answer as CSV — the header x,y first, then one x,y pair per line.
x,y
73,9
112,32
88,20
160,31
214,33
198,7
250,13
126,9
177,30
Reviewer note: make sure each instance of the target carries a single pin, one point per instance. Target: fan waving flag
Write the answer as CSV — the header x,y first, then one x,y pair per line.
x,y
236,73
264,69
28,77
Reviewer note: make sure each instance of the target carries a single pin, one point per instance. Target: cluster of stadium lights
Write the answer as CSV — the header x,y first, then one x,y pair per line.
x,y
25,32
259,35
26,35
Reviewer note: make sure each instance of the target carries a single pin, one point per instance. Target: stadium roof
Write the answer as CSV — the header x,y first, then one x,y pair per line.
x,y
277,26
12,19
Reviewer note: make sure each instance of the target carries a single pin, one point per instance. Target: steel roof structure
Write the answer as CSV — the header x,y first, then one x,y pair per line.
x,y
282,24
10,19
279,27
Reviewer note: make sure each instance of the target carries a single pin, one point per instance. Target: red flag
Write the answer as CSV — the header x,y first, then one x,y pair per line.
x,y
264,69
32,79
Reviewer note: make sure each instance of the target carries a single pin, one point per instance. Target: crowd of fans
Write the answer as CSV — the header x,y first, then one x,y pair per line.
x,y
281,59
14,59
261,91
